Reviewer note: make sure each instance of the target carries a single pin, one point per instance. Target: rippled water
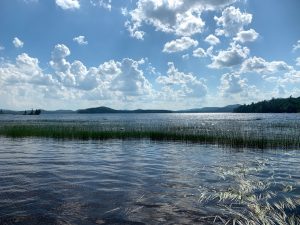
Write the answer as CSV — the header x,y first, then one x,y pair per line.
x,y
43,181
255,125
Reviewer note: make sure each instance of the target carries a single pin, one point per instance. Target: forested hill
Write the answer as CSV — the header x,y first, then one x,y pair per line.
x,y
278,105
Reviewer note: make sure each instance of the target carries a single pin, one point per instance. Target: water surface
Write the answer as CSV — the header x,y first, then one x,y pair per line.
x,y
44,181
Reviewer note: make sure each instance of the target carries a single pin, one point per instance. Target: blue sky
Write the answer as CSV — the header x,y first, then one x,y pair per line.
x,y
169,54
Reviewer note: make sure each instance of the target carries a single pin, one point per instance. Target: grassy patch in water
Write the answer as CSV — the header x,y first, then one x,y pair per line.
x,y
230,138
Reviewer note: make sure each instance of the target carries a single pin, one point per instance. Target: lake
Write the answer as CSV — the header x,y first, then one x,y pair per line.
x,y
47,181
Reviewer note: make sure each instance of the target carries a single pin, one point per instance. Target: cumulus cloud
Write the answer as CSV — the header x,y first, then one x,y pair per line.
x,y
73,74
179,45
237,89
18,43
131,81
182,84
232,21
212,39
199,53
290,77
231,84
261,66
296,46
68,4
26,69
60,51
233,56
114,78
180,17
246,36
80,40
106,4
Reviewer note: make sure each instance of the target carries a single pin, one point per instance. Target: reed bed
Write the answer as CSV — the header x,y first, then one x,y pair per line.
x,y
235,138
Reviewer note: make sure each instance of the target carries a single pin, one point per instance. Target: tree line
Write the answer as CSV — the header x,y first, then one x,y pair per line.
x,y
32,112
275,105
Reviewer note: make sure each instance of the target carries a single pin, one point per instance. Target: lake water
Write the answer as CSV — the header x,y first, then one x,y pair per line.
x,y
46,181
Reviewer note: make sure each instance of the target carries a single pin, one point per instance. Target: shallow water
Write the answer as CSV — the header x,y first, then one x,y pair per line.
x,y
44,181
286,126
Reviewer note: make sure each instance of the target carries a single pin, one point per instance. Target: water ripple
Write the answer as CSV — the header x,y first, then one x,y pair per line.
x,y
127,182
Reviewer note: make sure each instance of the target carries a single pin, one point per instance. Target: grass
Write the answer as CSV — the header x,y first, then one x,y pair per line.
x,y
250,200
232,138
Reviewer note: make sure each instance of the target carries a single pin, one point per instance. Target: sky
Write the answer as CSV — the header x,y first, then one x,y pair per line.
x,y
150,54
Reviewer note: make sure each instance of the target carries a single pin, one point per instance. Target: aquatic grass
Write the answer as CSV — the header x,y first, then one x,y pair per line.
x,y
230,138
250,200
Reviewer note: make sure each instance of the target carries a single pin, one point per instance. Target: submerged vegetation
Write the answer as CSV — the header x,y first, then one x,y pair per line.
x,y
235,138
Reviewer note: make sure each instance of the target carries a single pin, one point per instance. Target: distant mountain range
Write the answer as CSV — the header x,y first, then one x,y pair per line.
x,y
103,109
226,109
275,105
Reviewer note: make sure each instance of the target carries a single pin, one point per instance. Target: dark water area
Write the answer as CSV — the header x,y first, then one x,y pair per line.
x,y
45,181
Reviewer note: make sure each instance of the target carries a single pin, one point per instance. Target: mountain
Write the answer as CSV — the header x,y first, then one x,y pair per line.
x,y
279,105
101,109
104,109
60,111
226,109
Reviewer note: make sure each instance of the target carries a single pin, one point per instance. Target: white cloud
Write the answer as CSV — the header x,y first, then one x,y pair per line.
x,y
31,1
296,46
121,79
261,66
233,56
2,48
232,21
80,40
179,45
199,53
74,74
246,36
60,51
188,24
25,70
185,57
106,4
298,61
237,89
124,11
180,17
73,83
212,39
131,81
68,4
291,77
18,43
231,84
181,84
279,91
110,69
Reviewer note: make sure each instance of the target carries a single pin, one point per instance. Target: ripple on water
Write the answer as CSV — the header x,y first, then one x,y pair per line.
x,y
129,182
